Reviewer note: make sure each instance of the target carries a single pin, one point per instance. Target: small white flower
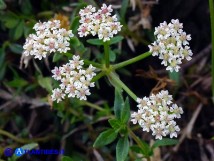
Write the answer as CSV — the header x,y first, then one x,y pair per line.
x,y
87,10
57,95
172,129
75,81
136,116
49,38
177,111
157,113
57,73
99,23
172,45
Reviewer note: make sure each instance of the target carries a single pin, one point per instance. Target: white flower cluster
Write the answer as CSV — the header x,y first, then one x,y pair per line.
x,y
157,113
100,22
75,81
49,38
172,45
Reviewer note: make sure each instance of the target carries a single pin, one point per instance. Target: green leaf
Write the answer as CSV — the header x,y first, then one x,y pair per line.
x,y
19,30
69,55
95,41
118,103
26,7
11,22
164,142
17,82
122,148
115,124
74,41
25,147
3,63
136,149
2,55
2,5
105,138
16,48
81,48
175,76
143,148
146,150
123,10
116,39
112,56
2,70
57,57
125,112
75,24
138,159
66,158
46,83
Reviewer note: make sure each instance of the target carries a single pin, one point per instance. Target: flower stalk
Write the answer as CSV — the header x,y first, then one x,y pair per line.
x,y
211,6
106,51
119,83
131,61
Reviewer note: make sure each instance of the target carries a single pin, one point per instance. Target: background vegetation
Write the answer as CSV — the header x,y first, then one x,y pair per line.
x,y
27,114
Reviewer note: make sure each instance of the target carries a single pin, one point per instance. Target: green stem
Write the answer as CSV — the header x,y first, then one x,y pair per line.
x,y
24,141
133,60
97,65
93,106
106,51
211,5
119,83
137,140
98,76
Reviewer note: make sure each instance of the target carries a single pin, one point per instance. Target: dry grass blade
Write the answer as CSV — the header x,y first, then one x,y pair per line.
x,y
188,130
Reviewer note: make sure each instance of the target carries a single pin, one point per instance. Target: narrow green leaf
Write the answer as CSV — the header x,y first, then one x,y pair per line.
x,y
175,76
115,124
26,7
81,48
118,103
3,63
95,41
2,70
146,150
19,30
125,112
123,10
2,5
57,57
2,55
164,142
116,39
11,22
112,56
16,48
136,149
17,82
66,158
105,138
46,83
122,148
75,24
74,41
25,147
69,55
138,159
